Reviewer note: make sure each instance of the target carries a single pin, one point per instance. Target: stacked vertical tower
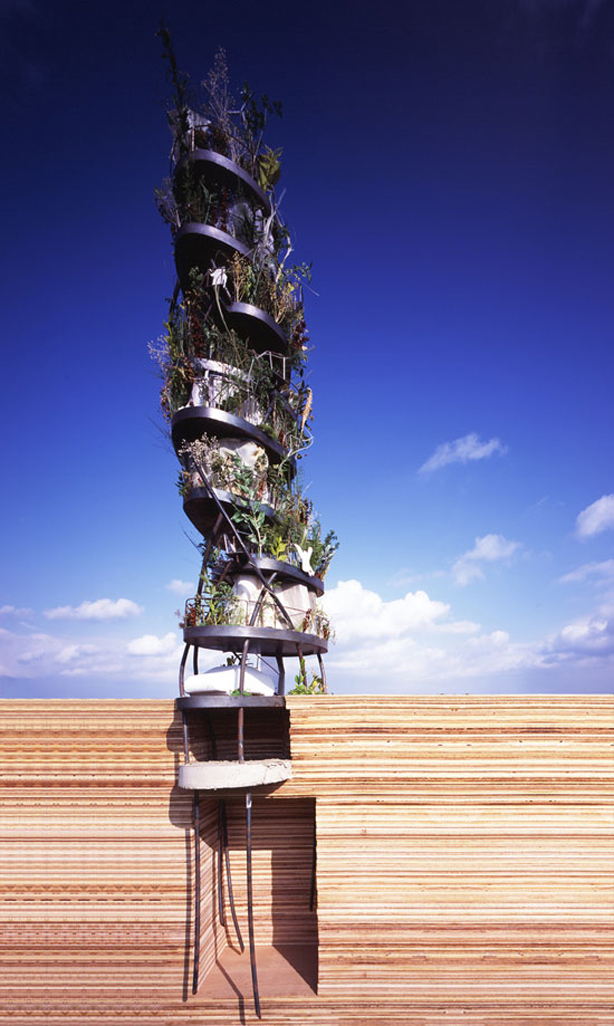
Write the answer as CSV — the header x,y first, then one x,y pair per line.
x,y
233,360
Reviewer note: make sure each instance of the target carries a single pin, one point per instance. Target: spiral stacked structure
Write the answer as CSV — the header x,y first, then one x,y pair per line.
x,y
234,393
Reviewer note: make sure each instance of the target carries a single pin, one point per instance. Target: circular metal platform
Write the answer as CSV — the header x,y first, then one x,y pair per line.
x,y
283,571
214,167
201,246
202,510
212,701
266,641
192,422
256,327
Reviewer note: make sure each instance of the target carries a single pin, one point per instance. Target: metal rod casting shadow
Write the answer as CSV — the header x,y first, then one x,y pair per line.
x,y
231,899
196,806
250,903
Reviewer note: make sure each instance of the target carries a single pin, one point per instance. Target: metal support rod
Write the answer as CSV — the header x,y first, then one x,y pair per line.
x,y
186,741
196,807
240,735
201,579
184,659
207,552
240,710
281,685
237,536
312,896
244,655
231,899
220,865
250,902
322,672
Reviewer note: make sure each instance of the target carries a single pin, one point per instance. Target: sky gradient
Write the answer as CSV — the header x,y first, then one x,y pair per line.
x,y
448,171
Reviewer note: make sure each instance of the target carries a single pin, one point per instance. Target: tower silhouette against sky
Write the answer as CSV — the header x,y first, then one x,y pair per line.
x,y
233,359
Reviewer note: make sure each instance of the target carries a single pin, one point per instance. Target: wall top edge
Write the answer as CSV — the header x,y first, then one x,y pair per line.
x,y
320,701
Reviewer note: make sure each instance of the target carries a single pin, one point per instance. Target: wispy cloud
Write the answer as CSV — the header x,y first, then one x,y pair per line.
x,y
490,548
413,644
180,587
414,640
589,636
599,571
152,645
405,576
462,450
15,611
597,517
427,649
359,613
74,653
99,609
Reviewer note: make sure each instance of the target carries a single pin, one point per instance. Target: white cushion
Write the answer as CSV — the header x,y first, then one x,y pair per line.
x,y
221,680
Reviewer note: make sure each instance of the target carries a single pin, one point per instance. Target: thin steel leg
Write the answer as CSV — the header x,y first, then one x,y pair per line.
x,y
250,903
182,670
186,740
240,734
196,806
231,899
322,672
240,717
281,686
312,896
220,865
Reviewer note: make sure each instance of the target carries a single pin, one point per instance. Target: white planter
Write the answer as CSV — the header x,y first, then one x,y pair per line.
x,y
297,599
249,454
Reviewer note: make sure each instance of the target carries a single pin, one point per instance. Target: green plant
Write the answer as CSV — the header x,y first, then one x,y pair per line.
x,y
219,606
269,167
317,622
223,606
183,483
323,549
302,687
204,362
251,521
180,87
226,470
254,115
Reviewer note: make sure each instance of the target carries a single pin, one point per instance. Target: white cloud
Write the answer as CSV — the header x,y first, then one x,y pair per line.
x,y
152,645
359,613
72,653
413,642
597,517
601,571
100,609
37,656
462,450
181,587
14,611
588,636
427,650
488,549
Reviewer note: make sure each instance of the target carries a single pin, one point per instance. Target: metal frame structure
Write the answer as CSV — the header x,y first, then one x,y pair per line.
x,y
208,248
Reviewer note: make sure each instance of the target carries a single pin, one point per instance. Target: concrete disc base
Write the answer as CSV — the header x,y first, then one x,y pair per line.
x,y
227,776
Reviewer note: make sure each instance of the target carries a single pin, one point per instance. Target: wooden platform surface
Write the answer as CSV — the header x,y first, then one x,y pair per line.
x,y
465,853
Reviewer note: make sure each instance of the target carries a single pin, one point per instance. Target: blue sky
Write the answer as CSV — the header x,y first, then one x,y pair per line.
x,y
448,171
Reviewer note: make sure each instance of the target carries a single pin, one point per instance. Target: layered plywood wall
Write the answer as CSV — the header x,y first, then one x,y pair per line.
x,y
464,864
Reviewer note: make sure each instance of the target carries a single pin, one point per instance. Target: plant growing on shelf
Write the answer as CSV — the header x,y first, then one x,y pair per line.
x,y
208,361
304,687
232,360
